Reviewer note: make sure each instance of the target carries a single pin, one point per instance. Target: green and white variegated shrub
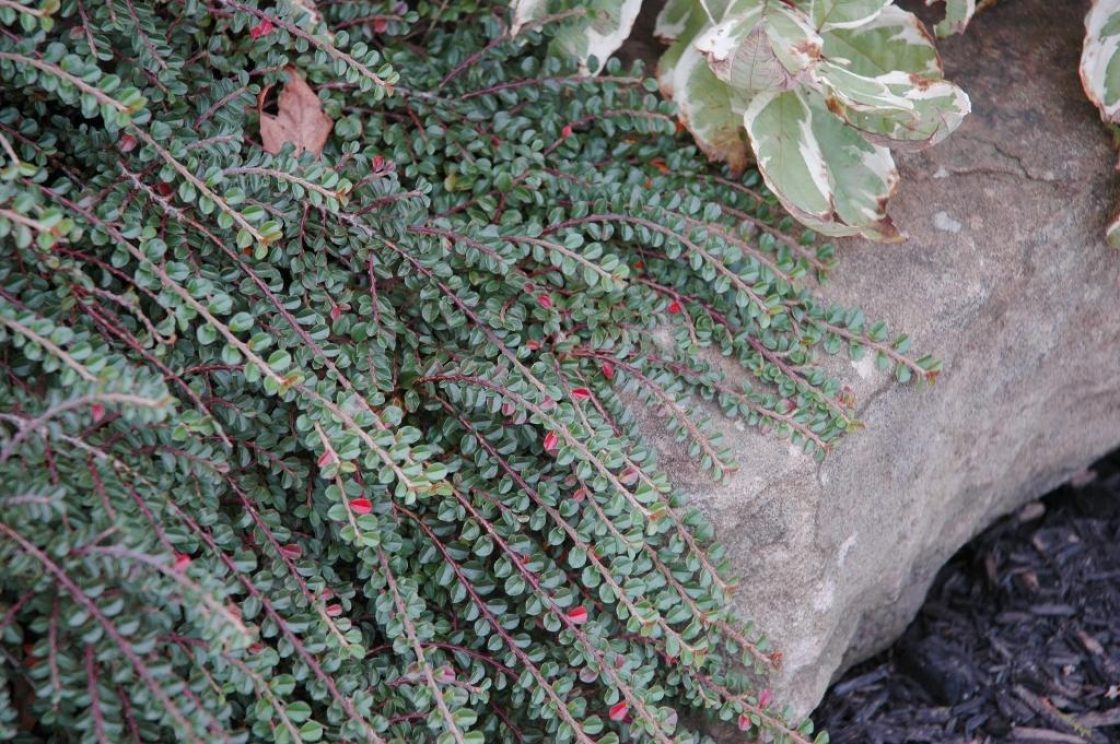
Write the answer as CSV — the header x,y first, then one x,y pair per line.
x,y
1100,73
822,89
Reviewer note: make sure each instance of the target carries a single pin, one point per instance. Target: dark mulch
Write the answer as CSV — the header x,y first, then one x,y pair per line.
x,y
1019,639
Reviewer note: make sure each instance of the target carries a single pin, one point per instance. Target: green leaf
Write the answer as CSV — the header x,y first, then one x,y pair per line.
x,y
1100,59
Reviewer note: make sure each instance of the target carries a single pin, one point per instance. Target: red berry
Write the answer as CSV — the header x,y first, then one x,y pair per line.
x,y
577,615
127,143
619,710
581,393
566,132
608,370
97,411
544,300
674,307
361,506
164,189
264,28
551,441
334,610
380,25
182,560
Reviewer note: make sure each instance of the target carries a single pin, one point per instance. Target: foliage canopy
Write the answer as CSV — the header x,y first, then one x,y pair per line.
x,y
332,442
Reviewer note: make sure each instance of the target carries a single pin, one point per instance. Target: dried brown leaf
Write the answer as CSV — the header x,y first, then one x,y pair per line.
x,y
299,119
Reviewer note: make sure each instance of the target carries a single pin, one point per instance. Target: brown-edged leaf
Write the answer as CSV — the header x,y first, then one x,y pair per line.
x,y
299,118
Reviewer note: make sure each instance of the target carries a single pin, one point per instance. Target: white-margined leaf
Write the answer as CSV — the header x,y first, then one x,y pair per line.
x,y
957,15
703,105
703,101
894,40
828,15
939,108
599,34
1100,60
1100,73
826,174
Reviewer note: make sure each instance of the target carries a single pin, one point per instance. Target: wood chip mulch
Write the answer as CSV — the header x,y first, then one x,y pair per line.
x,y
1018,641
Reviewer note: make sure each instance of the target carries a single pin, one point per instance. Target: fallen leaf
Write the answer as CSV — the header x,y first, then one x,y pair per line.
x,y
299,119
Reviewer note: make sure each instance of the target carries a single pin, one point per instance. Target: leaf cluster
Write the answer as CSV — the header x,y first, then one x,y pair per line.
x,y
300,448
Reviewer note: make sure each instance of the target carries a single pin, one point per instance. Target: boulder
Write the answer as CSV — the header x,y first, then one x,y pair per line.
x,y
1007,279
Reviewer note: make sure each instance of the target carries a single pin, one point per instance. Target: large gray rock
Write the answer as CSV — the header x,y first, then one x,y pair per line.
x,y
1006,278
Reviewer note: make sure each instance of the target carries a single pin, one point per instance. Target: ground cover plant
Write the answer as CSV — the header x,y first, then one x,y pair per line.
x,y
321,329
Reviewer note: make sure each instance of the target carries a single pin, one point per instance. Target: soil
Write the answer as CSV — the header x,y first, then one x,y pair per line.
x,y
1018,641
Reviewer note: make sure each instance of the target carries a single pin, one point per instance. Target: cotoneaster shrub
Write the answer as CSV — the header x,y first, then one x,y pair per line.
x,y
320,330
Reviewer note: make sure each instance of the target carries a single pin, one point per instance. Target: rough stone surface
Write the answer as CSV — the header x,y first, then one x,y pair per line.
x,y
1007,279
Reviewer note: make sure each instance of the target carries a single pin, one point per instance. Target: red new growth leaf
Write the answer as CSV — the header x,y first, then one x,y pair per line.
x,y
581,393
299,119
164,189
127,143
264,28
744,722
566,132
182,560
551,441
674,307
544,300
608,370
619,710
327,458
765,698
334,610
292,551
97,411
380,25
361,506
577,615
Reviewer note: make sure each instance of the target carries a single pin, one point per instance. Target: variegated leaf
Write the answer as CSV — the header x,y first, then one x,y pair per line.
x,y
761,47
526,12
822,171
703,101
957,15
675,20
829,15
939,108
1100,58
862,176
780,127
849,91
703,105
894,40
606,26
1113,231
